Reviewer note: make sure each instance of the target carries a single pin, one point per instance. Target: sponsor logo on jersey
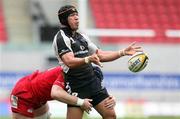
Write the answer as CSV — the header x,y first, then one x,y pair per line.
x,y
14,101
82,47
81,52
30,110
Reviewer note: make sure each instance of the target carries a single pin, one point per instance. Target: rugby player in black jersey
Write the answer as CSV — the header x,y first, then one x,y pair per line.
x,y
76,54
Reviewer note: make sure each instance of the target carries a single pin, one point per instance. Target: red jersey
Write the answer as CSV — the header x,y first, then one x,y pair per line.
x,y
42,82
36,88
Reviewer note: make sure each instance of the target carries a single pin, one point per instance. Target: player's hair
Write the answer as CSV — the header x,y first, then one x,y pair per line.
x,y
64,12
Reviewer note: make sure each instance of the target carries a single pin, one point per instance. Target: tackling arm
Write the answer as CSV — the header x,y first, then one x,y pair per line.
x,y
61,95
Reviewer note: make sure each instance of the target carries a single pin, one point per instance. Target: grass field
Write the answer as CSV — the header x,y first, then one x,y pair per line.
x,y
159,117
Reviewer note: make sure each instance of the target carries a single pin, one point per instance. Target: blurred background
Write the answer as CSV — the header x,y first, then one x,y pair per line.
x,y
27,28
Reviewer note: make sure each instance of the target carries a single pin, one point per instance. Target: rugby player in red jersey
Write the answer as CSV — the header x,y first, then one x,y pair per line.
x,y
30,95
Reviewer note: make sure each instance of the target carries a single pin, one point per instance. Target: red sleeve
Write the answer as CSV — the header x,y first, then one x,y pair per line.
x,y
60,81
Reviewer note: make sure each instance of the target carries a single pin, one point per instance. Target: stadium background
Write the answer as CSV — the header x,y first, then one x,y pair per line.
x,y
26,33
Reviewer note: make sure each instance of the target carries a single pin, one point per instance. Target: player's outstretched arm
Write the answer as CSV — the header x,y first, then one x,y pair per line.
x,y
58,93
132,49
106,56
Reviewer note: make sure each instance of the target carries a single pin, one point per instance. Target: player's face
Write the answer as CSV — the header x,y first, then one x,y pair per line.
x,y
73,20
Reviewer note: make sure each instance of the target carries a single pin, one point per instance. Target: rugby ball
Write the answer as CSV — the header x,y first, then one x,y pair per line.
x,y
138,62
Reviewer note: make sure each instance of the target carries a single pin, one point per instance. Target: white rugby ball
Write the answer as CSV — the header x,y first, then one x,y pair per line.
x,y
138,62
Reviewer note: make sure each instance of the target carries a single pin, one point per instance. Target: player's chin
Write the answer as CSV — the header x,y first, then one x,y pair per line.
x,y
75,27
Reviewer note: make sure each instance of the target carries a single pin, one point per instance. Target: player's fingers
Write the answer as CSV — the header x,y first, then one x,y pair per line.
x,y
109,106
96,61
100,64
97,51
110,101
96,58
90,100
91,106
132,44
139,50
137,47
87,111
90,109
112,97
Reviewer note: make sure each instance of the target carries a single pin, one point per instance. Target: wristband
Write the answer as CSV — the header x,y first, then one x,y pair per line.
x,y
86,60
80,102
121,52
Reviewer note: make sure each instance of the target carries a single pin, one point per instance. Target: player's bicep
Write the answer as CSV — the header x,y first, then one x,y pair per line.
x,y
55,91
67,58
56,88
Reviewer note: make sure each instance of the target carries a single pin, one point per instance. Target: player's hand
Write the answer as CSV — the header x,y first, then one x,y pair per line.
x,y
87,106
95,59
110,102
132,49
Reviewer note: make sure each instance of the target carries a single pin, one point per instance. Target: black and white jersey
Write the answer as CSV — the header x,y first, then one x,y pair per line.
x,y
81,47
81,81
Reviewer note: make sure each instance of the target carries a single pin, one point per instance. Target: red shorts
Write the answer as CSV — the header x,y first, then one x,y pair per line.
x,y
22,100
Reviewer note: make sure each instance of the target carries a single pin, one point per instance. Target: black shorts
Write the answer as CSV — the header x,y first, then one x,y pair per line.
x,y
92,90
98,97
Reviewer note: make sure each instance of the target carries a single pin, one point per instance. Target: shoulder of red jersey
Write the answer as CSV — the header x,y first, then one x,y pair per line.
x,y
60,82
55,68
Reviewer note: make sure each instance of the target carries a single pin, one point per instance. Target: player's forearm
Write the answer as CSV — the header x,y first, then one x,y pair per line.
x,y
76,62
106,56
71,61
66,98
59,94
